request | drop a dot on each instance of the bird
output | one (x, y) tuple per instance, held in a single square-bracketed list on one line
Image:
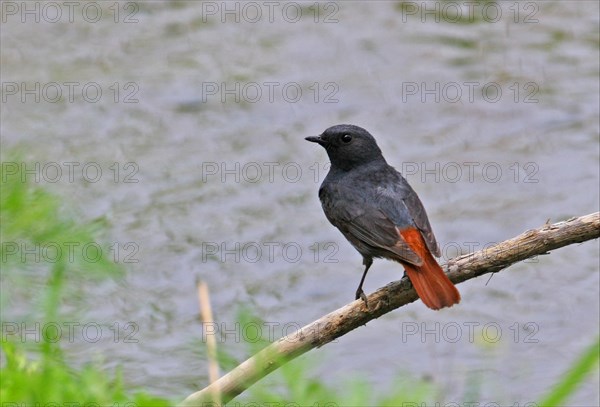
[(380, 214)]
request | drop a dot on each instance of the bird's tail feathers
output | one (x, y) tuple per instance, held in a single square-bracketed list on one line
[(431, 283)]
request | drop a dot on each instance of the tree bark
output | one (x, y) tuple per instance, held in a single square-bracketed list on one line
[(394, 295)]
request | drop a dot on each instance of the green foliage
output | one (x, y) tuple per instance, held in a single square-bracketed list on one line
[(32, 217), (583, 367), (295, 383), (51, 380)]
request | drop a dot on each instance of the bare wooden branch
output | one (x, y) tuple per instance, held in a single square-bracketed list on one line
[(211, 342), (396, 294)]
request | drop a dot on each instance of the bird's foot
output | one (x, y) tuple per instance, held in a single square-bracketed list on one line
[(361, 294)]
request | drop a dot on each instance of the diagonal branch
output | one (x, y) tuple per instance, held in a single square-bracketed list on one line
[(396, 294)]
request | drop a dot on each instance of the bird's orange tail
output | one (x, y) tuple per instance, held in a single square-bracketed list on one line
[(431, 283)]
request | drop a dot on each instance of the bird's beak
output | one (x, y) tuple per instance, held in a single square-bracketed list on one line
[(316, 139)]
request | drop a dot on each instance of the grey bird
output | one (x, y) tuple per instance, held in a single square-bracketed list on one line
[(380, 214)]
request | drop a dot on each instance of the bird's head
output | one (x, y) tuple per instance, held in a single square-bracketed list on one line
[(348, 146)]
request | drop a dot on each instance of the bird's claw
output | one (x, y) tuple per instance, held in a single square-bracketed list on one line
[(361, 294)]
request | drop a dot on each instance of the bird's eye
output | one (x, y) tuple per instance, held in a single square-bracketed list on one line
[(346, 138)]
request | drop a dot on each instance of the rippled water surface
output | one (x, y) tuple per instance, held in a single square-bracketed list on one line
[(492, 118)]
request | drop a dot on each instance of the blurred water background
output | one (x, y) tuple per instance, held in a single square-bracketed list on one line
[(492, 115)]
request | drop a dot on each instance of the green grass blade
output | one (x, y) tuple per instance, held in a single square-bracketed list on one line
[(582, 368)]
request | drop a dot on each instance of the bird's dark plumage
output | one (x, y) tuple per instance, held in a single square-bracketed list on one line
[(373, 205)]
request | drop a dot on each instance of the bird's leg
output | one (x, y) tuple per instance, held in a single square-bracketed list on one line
[(367, 261)]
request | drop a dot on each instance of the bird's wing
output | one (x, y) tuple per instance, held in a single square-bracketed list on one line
[(402, 205), (376, 229), (361, 221)]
